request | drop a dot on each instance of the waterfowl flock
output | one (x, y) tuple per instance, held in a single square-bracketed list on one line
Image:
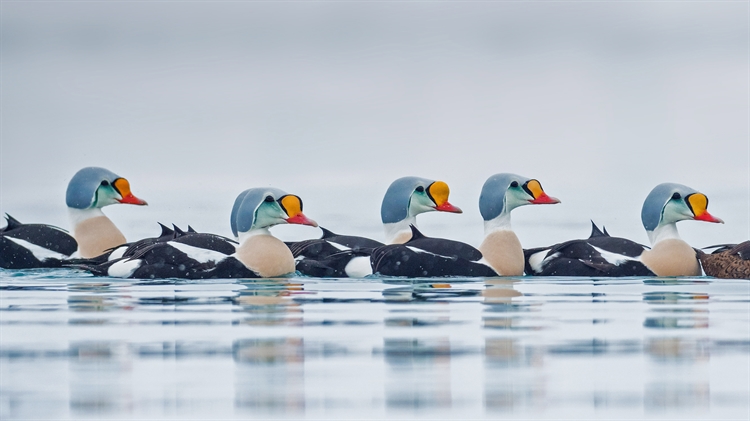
[(97, 245)]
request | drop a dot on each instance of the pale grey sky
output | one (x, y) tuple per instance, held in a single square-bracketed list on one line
[(194, 102)]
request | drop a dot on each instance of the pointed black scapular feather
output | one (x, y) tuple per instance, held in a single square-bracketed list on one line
[(596, 232)]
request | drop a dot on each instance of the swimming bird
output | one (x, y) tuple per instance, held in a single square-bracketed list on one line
[(731, 261), (201, 256), (603, 255), (38, 245), (335, 255), (500, 254)]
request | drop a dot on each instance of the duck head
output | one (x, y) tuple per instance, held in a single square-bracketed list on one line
[(669, 203), (504, 192), (410, 196), (262, 208), (94, 188), (407, 197)]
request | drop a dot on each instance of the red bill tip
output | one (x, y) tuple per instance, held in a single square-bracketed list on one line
[(301, 219)]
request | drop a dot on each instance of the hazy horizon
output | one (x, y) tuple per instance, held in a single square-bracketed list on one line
[(195, 102)]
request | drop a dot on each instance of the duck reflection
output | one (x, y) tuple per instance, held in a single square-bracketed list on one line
[(689, 315), (668, 396), (268, 302), (671, 297), (96, 297), (270, 374), (100, 375), (512, 375), (498, 295), (419, 373), (678, 349)]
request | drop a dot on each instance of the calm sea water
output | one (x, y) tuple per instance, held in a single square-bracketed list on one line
[(74, 346)]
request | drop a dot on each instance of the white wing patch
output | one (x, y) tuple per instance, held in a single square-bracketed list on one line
[(358, 267), (416, 250), (199, 254), (39, 252), (124, 268), (339, 246), (614, 258), (538, 260), (117, 253)]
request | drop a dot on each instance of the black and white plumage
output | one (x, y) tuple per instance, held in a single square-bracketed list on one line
[(193, 255), (331, 255), (335, 255), (25, 246), (598, 255), (189, 255), (500, 253), (423, 256), (603, 255)]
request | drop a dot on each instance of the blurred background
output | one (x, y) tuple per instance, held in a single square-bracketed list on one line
[(194, 102)]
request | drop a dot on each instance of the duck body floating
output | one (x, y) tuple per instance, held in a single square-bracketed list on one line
[(335, 255), (729, 261), (24, 246), (602, 255), (202, 256), (500, 254), (599, 255)]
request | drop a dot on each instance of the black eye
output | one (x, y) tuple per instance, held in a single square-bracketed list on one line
[(514, 184), (420, 189), (269, 199), (676, 196), (105, 183)]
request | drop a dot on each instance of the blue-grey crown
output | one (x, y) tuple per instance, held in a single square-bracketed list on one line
[(492, 199), (82, 187), (395, 205), (243, 212), (657, 199)]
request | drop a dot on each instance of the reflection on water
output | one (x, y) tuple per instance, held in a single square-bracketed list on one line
[(73, 347)]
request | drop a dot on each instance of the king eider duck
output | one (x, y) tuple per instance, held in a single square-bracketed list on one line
[(335, 255), (200, 256), (24, 246), (729, 261), (500, 254), (603, 255)]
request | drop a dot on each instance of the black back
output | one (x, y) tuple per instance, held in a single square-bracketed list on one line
[(580, 258), (428, 257), (321, 248), (15, 256)]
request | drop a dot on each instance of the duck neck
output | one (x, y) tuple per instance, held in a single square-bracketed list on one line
[(399, 232), (94, 232), (499, 223), (663, 232), (244, 236)]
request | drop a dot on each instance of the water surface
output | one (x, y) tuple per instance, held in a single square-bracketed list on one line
[(74, 346)]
